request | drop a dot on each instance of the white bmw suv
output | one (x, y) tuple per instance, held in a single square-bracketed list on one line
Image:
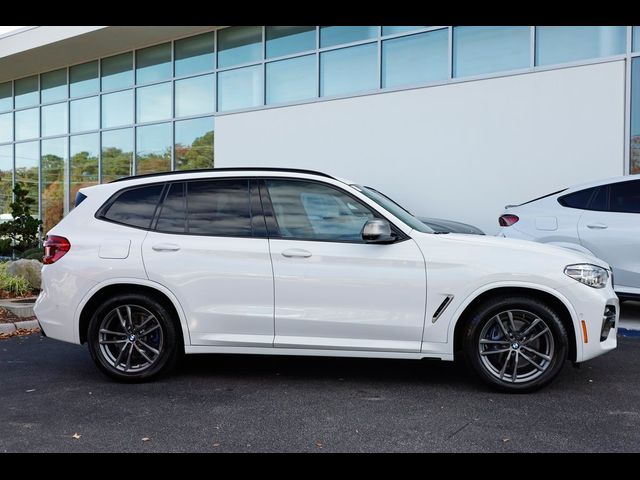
[(295, 262)]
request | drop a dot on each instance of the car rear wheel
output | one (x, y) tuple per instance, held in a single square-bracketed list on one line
[(516, 344), (132, 338)]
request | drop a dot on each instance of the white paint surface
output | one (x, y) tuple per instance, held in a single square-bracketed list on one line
[(459, 151)]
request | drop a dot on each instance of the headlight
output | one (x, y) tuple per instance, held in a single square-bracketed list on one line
[(590, 275)]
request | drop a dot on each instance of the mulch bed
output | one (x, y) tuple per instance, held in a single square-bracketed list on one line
[(19, 332)]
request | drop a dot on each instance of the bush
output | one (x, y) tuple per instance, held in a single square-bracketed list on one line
[(33, 253), (5, 247), (17, 286), (24, 230)]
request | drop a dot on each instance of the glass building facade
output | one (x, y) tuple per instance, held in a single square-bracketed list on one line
[(154, 109)]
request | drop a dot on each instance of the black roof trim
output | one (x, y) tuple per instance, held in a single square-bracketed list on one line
[(229, 169)]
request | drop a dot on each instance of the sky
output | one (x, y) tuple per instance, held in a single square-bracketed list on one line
[(7, 29)]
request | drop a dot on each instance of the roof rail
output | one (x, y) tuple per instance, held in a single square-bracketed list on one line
[(227, 169)]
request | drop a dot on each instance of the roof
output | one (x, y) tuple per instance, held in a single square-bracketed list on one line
[(228, 169)]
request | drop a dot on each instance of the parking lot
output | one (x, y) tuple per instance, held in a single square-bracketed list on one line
[(53, 399)]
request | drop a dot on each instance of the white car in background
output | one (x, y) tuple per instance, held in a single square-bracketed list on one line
[(600, 218)]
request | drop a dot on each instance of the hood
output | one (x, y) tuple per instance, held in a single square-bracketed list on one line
[(440, 225)]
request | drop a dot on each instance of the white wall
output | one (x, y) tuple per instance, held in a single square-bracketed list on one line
[(459, 151)]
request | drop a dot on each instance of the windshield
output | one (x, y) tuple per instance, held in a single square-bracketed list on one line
[(393, 207)]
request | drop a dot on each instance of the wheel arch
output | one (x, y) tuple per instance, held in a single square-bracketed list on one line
[(128, 285), (557, 301)]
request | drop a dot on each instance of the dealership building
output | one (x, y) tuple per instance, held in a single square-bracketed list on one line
[(451, 121)]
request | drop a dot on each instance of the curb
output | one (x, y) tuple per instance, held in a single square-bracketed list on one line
[(12, 327)]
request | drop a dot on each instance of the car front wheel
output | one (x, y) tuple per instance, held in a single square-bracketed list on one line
[(516, 344)]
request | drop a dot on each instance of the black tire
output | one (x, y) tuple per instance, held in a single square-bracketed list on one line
[(169, 349), (524, 311)]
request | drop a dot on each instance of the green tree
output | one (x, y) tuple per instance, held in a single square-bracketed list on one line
[(197, 155), (23, 230)]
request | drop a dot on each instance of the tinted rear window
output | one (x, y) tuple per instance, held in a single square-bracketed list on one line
[(219, 207), (172, 218), (135, 207), (578, 199), (625, 197)]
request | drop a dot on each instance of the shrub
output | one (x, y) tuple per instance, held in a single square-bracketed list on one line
[(33, 253), (5, 247), (18, 286), (23, 229)]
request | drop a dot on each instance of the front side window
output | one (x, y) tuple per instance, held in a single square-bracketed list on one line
[(134, 207), (625, 197), (312, 211)]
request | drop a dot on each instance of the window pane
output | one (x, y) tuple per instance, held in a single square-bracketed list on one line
[(54, 119), (135, 206), (394, 30), (238, 45), (625, 197), (6, 127), (6, 180), (219, 207), (27, 162), (117, 71), (84, 114), (6, 97), (291, 80), (572, 43), (153, 144), (340, 34), (194, 144), (415, 59), (195, 95), (579, 199), (194, 54), (84, 162), (27, 124), (83, 79), (635, 116), (241, 88), (153, 102), (311, 211), (54, 159), (26, 91), (349, 70), (173, 215), (117, 109), (53, 85), (636, 39), (153, 63), (479, 50), (599, 200), (117, 154), (288, 40)]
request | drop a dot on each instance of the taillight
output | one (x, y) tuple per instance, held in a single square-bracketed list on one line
[(508, 220), (54, 249)]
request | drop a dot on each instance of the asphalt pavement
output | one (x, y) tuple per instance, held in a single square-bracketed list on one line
[(53, 399)]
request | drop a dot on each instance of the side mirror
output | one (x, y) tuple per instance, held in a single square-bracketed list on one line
[(377, 231)]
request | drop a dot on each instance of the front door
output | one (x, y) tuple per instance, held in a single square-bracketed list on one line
[(333, 290)]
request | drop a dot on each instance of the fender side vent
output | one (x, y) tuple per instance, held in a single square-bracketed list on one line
[(445, 303)]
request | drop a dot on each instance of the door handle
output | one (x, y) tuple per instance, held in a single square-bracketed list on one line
[(166, 247), (596, 226), (296, 252)]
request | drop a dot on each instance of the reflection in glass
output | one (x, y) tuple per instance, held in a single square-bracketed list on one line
[(194, 54), (84, 163), (240, 88), (26, 93), (291, 80), (84, 114), (415, 59), (153, 63), (54, 119), (83, 79), (341, 34), (153, 102), (117, 154), (117, 109), (349, 70), (6, 97), (289, 40), (54, 159), (395, 30), (482, 49), (153, 148), (53, 85), (636, 39), (572, 43), (117, 71), (195, 95), (219, 207), (237, 45), (635, 116), (194, 144), (6, 127), (27, 162), (6, 178), (173, 215), (27, 124)]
